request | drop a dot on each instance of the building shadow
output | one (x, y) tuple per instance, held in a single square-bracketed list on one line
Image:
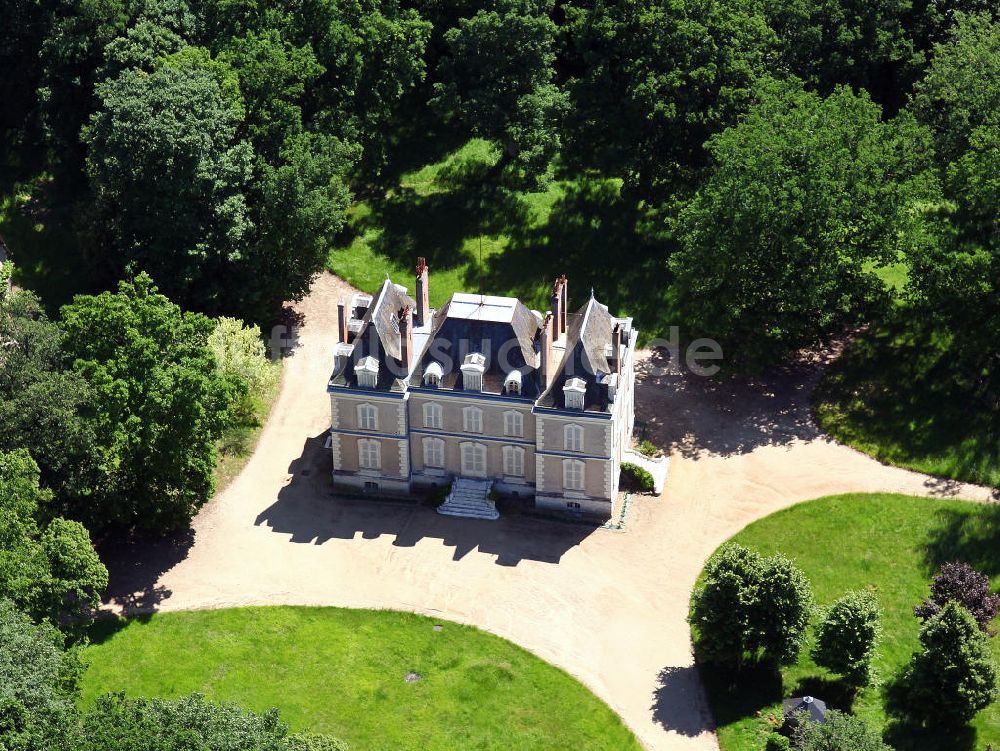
[(310, 512), (695, 415), (135, 564)]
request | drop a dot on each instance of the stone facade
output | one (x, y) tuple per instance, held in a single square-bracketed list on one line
[(540, 406)]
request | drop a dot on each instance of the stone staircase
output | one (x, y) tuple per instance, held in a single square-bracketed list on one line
[(469, 498)]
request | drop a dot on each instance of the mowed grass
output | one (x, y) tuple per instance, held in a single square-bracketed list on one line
[(893, 544), (895, 394), (454, 212), (342, 672), (477, 232)]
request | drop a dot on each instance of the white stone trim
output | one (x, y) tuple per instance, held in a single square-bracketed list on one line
[(335, 450), (404, 459)]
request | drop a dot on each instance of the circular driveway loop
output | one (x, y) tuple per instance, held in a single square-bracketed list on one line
[(607, 606)]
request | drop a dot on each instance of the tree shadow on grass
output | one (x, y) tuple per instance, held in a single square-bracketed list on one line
[(596, 238), (968, 535), (468, 201), (836, 693), (735, 696), (106, 626), (897, 389), (907, 729)]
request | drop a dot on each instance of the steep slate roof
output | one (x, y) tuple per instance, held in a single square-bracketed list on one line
[(588, 337), (501, 328), (379, 337)]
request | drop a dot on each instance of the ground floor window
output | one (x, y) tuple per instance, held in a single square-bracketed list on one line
[(433, 452), (473, 459), (573, 505), (513, 461), (573, 474), (369, 454), (371, 487)]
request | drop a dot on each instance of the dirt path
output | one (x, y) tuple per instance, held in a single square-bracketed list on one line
[(609, 607)]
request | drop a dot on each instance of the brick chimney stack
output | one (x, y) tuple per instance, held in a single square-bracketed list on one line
[(563, 303), (422, 314), (406, 338), (545, 364), (342, 320), (556, 305)]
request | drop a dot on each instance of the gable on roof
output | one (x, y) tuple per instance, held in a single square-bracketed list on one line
[(378, 338), (588, 346)]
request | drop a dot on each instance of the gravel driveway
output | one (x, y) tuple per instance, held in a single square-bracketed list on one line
[(607, 606)]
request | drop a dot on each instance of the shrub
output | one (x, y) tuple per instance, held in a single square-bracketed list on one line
[(241, 357), (647, 447), (840, 732), (959, 582), (751, 607), (314, 742), (635, 477), (438, 495), (954, 676), (777, 742), (846, 638), (190, 722)]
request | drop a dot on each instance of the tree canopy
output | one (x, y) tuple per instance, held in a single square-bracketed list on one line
[(49, 569), (805, 195), (158, 403)]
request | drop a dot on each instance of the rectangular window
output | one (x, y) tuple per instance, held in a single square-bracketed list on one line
[(473, 419), (474, 459), (573, 474), (513, 424), (432, 416), (513, 461), (369, 454), (433, 452), (573, 437), (367, 417)]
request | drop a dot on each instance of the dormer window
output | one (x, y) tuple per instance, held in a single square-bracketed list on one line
[(573, 393), (512, 383), (433, 375), (472, 372), (367, 372)]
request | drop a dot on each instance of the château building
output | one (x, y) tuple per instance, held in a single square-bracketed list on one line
[(483, 395)]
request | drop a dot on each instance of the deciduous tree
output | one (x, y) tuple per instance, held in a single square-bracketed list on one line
[(847, 636), (158, 401), (805, 197), (959, 582), (751, 607)]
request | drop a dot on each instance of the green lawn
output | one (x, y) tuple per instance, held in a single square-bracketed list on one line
[(894, 394), (892, 543), (477, 232), (342, 672)]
